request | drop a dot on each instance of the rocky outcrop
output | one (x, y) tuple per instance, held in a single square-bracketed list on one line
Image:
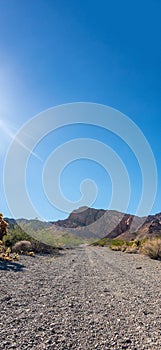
[(84, 216), (151, 227)]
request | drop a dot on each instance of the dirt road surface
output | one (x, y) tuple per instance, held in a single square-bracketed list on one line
[(87, 298)]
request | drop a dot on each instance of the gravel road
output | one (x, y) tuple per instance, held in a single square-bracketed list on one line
[(86, 298)]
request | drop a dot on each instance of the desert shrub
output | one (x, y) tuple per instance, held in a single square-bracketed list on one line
[(29, 248), (137, 242), (133, 249), (42, 248), (5, 253), (116, 248), (101, 242), (116, 244), (22, 247), (125, 246), (16, 238), (15, 235), (152, 248)]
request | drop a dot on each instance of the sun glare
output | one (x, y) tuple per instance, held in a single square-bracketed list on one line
[(8, 133), (6, 130)]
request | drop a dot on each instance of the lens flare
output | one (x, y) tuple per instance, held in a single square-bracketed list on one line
[(12, 135)]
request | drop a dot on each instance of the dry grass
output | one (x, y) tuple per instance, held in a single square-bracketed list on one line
[(132, 249), (152, 248)]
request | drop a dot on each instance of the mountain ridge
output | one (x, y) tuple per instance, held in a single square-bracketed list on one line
[(94, 223)]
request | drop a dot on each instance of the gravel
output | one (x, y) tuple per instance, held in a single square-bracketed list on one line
[(85, 298)]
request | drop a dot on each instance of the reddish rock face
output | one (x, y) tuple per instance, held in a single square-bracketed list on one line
[(81, 217), (123, 226)]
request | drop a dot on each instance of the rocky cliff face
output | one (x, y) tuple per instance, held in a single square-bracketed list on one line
[(112, 224), (124, 228), (151, 227)]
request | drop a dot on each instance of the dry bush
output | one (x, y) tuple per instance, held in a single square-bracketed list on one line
[(131, 249), (152, 248), (29, 248), (116, 248), (42, 248), (22, 247)]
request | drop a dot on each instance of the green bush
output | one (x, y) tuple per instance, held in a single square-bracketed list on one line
[(15, 234), (101, 243)]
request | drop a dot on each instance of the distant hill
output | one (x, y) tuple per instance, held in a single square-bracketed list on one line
[(89, 223)]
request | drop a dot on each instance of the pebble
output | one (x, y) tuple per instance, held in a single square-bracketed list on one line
[(88, 298)]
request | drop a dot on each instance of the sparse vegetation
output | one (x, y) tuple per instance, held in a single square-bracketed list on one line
[(101, 243), (22, 247), (14, 235), (152, 248), (114, 244), (19, 241), (117, 244)]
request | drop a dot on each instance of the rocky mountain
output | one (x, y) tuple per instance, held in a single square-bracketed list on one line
[(81, 217), (151, 227), (112, 224), (87, 223)]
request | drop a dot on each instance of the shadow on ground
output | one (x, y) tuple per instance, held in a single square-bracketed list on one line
[(11, 266)]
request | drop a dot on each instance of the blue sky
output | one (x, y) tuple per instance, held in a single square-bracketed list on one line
[(57, 52)]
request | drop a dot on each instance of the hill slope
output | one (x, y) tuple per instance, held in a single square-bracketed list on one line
[(89, 223)]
